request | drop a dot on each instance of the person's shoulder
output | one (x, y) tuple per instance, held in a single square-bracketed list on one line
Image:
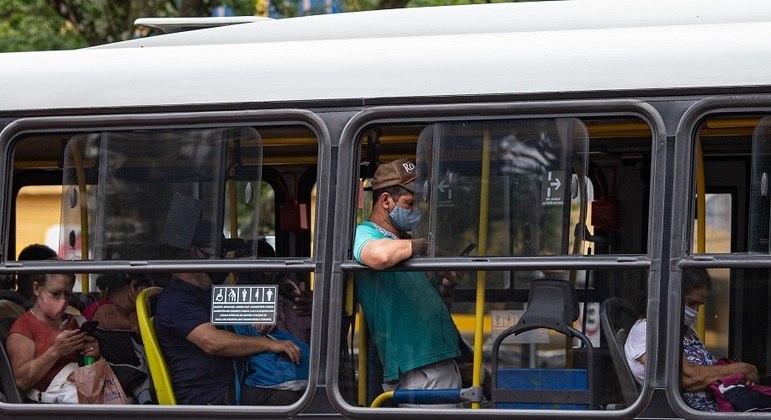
[(180, 293), (368, 229), (23, 324), (639, 328), (366, 225), (175, 287), (92, 308)]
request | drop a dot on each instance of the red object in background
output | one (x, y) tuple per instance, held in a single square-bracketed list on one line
[(294, 216), (606, 214)]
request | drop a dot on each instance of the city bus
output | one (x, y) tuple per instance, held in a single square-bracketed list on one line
[(609, 146)]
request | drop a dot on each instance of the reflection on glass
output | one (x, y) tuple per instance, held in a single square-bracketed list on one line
[(126, 181), (505, 185)]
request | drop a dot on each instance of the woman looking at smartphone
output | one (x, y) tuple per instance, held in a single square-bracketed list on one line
[(44, 344)]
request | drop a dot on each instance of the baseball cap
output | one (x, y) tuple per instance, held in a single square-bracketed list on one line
[(398, 172)]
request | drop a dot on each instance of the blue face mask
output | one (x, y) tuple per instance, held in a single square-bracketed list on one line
[(405, 219)]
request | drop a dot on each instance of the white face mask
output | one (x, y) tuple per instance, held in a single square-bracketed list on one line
[(689, 316)]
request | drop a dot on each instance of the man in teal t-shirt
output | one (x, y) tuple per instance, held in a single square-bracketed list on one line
[(413, 332)]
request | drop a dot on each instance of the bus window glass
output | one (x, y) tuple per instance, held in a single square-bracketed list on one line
[(730, 170), (244, 219), (714, 316), (730, 212), (760, 206), (738, 331), (37, 216), (539, 359), (717, 230), (546, 187), (729, 324), (268, 213), (514, 178), (124, 192)]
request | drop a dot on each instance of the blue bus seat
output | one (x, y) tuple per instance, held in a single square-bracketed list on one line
[(552, 304)]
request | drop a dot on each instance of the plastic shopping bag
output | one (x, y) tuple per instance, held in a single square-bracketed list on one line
[(97, 384)]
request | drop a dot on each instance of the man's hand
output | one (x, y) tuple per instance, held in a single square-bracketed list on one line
[(419, 246), (286, 346), (450, 279)]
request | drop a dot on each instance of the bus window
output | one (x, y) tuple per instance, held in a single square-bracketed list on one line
[(540, 353), (126, 191), (714, 318), (37, 216), (760, 209), (240, 221), (514, 177), (730, 211), (715, 314), (717, 228), (547, 189), (125, 196)]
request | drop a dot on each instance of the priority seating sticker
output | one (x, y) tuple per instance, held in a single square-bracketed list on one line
[(244, 304)]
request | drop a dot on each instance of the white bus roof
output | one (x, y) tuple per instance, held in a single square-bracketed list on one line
[(472, 19), (516, 48)]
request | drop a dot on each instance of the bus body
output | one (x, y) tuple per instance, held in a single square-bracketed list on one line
[(609, 144)]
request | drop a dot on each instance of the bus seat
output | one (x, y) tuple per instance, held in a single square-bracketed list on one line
[(616, 319), (7, 383), (552, 304), (159, 372), (10, 309)]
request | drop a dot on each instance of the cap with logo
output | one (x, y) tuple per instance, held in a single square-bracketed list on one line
[(398, 172)]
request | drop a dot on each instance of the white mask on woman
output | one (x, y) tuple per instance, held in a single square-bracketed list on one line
[(689, 316)]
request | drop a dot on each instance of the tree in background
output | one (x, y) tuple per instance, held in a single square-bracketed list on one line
[(27, 25), (105, 21)]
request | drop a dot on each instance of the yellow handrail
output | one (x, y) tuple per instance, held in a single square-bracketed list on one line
[(159, 372), (382, 398), (479, 312)]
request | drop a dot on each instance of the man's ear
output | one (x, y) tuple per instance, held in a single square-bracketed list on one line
[(384, 197)]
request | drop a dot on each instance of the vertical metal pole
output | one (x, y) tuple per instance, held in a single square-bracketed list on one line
[(484, 195)]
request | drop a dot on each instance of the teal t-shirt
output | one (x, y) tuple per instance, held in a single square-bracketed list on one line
[(405, 314)]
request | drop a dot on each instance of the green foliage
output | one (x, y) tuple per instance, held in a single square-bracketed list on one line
[(27, 25), (424, 3)]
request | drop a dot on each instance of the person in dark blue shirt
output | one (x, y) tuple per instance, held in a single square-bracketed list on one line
[(199, 355)]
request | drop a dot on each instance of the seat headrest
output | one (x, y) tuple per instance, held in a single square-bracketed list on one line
[(552, 304)]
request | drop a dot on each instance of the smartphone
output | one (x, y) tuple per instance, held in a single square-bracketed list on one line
[(470, 247), (88, 327)]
